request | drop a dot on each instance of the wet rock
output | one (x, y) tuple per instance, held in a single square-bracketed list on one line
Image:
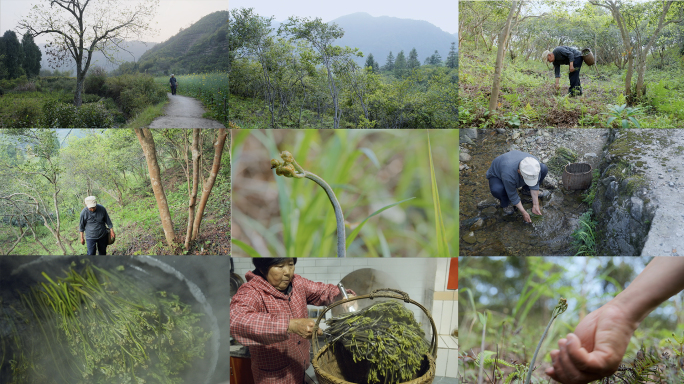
[(464, 157), (510, 218), (489, 202), (479, 223), (637, 208), (501, 130), (671, 184), (590, 155), (481, 238), (612, 190), (540, 140), (606, 182), (549, 182), (489, 211), (515, 134), (465, 140), (461, 166), (470, 238), (468, 132), (468, 222)]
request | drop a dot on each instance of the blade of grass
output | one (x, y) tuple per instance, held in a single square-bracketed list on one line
[(245, 247), (442, 245), (356, 230)]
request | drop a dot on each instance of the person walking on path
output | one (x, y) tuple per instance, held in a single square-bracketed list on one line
[(567, 56), (174, 84), (93, 225), (511, 171), (600, 340)]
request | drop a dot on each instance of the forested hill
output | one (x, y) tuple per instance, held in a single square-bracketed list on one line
[(202, 47), (380, 35)]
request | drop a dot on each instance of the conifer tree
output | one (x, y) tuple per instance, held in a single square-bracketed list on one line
[(389, 63), (400, 64), (370, 62), (451, 57), (14, 54), (32, 56), (413, 59)]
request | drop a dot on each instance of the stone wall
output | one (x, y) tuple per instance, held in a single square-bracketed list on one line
[(623, 206)]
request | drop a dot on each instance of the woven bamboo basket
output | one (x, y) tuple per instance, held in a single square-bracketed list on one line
[(577, 176), (337, 367), (588, 57)]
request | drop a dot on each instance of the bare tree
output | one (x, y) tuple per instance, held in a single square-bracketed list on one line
[(503, 37), (80, 28), (195, 183), (219, 143), (147, 143)]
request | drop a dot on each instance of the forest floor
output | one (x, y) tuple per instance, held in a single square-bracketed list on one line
[(528, 98), (184, 112)]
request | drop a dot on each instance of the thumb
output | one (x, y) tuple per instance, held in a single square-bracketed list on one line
[(583, 360)]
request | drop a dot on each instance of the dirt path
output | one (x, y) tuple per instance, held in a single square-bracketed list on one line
[(184, 112)]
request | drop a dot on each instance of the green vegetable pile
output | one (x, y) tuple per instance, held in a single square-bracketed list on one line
[(387, 336), (99, 327)]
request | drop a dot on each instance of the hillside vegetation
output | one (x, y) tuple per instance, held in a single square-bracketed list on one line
[(637, 81), (202, 47)]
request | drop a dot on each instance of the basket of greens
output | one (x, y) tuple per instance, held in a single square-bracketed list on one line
[(382, 343)]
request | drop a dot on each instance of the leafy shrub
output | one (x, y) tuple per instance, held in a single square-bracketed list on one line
[(24, 113), (29, 86), (95, 81), (133, 93), (66, 115)]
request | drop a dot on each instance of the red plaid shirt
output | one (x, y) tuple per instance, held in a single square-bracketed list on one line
[(259, 317)]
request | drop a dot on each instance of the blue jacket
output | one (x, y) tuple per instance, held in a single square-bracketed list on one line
[(505, 168)]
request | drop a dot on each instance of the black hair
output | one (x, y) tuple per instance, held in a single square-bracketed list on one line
[(263, 264)]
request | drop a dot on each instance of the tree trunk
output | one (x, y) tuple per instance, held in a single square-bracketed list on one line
[(209, 184), (78, 96), (147, 143), (195, 183), (503, 36)]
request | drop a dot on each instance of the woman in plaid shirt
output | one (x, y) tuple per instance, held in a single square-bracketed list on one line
[(268, 314)]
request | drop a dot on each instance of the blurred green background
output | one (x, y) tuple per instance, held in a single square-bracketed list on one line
[(367, 169)]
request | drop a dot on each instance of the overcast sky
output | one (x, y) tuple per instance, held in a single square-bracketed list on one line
[(442, 13), (171, 15)]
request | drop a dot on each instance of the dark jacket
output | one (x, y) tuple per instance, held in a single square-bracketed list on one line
[(173, 81), (564, 56), (505, 168), (93, 223)]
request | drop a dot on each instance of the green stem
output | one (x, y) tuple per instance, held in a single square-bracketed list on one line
[(289, 167), (560, 308)]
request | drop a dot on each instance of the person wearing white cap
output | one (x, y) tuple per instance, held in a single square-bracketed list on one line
[(93, 225), (511, 171)]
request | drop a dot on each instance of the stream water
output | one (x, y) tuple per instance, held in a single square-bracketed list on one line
[(485, 231)]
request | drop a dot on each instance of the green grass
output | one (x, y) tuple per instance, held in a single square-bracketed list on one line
[(145, 118), (368, 170), (528, 100)]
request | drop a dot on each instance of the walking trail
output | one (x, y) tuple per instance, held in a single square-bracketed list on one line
[(184, 112)]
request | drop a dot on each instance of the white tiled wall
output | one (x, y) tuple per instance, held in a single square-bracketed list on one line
[(410, 274)]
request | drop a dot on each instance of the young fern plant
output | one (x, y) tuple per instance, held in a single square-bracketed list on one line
[(287, 166), (561, 307)]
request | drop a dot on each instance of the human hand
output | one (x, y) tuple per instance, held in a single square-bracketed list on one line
[(536, 210), (595, 349), (82, 241), (302, 327), (526, 217)]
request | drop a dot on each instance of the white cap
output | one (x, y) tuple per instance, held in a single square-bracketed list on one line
[(529, 169), (90, 201)]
